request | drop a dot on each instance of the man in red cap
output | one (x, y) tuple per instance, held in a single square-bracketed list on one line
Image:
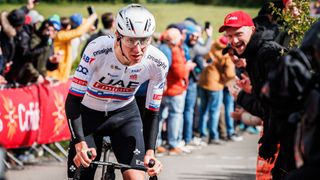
[(261, 52), (240, 24)]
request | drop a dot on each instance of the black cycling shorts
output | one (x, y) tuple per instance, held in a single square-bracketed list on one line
[(124, 126)]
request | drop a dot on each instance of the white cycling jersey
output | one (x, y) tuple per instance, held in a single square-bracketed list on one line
[(107, 85)]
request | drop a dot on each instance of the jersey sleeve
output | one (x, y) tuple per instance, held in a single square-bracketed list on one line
[(156, 85), (84, 71)]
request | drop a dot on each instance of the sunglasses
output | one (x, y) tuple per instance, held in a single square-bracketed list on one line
[(131, 42)]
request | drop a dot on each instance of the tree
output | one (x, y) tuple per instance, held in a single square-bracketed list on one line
[(295, 24)]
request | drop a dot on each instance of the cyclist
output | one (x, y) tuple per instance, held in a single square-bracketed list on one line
[(101, 97)]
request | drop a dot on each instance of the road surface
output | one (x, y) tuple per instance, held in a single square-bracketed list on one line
[(234, 160)]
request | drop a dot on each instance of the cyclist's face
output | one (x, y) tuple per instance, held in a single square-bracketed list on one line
[(134, 48)]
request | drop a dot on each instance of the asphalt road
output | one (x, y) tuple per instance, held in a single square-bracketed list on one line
[(234, 160)]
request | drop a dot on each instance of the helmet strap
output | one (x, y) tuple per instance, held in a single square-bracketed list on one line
[(119, 39)]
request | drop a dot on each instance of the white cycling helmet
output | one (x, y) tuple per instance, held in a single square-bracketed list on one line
[(135, 21)]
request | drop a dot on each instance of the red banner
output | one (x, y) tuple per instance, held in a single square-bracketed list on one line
[(19, 116), (33, 114), (53, 124)]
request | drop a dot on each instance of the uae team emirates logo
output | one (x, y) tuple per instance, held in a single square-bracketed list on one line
[(10, 116), (59, 114)]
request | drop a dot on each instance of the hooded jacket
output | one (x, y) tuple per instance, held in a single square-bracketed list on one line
[(215, 76), (62, 43)]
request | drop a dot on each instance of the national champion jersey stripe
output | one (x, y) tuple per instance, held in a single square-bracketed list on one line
[(75, 92), (100, 94)]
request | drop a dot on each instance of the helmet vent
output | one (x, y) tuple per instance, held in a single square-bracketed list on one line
[(120, 13), (136, 6), (120, 26), (131, 25), (145, 27)]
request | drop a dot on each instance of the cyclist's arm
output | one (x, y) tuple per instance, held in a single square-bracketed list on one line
[(77, 90), (74, 119), (150, 128), (151, 123), (153, 101)]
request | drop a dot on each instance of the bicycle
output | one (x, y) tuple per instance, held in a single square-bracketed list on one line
[(108, 167)]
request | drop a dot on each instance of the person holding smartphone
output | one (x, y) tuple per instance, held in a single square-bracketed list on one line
[(62, 43)]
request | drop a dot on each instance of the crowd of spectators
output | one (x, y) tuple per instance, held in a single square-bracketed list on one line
[(258, 78), (38, 50)]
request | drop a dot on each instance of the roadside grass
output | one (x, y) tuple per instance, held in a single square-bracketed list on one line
[(164, 13)]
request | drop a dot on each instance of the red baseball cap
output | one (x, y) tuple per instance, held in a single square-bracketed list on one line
[(236, 19)]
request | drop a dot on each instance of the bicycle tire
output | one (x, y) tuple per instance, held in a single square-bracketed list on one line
[(109, 176)]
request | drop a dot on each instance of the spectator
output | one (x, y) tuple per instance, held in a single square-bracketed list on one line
[(7, 44), (62, 43), (212, 81), (260, 53), (267, 20), (75, 21), (46, 58), (293, 92), (21, 48), (108, 23), (246, 118), (303, 94), (177, 82), (194, 52), (316, 8), (36, 19), (283, 37)]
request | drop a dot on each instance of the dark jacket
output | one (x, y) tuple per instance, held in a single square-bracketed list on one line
[(262, 23), (20, 57), (7, 43), (42, 51), (261, 53)]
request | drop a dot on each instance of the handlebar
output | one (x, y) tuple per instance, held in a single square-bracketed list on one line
[(150, 165), (115, 166)]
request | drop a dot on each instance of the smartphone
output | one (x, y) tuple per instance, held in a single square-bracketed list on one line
[(91, 11), (206, 25)]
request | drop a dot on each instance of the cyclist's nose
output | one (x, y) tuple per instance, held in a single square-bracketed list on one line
[(137, 47)]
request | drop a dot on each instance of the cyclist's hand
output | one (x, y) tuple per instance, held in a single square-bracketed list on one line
[(156, 169), (81, 157)]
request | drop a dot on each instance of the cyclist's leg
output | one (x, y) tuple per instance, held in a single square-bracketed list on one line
[(127, 141), (91, 120)]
